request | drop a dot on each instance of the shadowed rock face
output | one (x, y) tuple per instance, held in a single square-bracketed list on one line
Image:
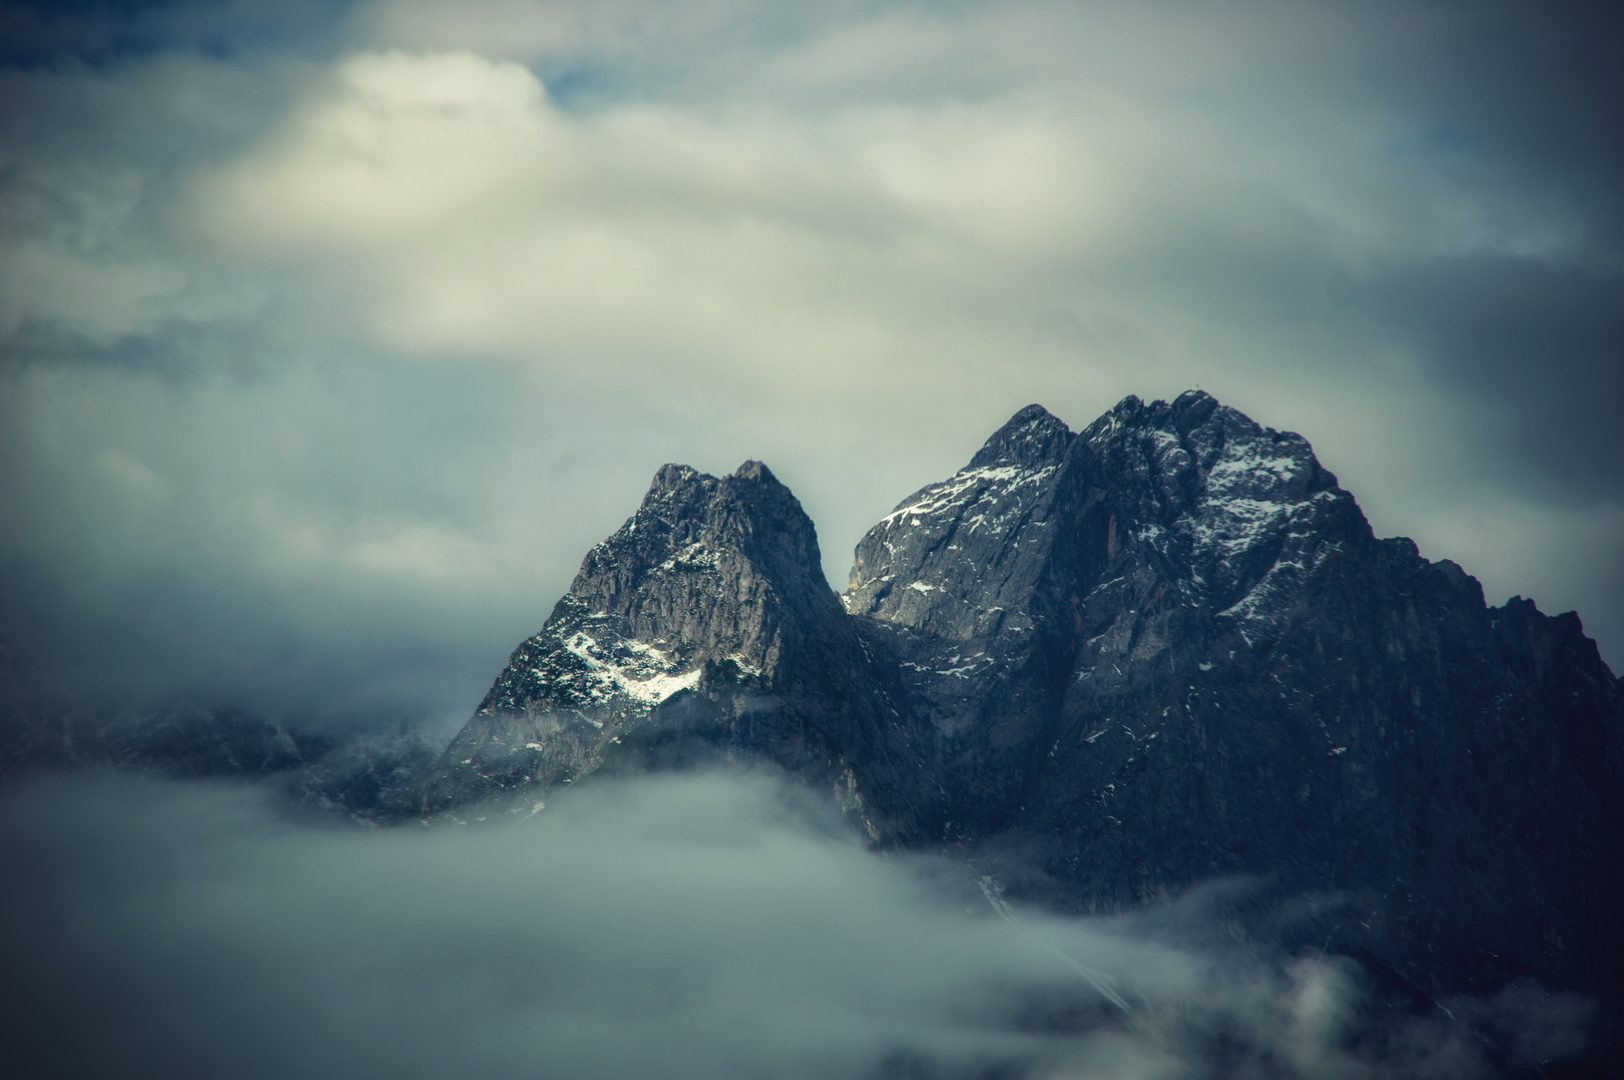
[(1113, 664)]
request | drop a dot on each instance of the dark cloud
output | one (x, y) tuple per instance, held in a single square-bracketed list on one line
[(140, 569), (1535, 90), (102, 32), (707, 926), (1540, 346), (1524, 100)]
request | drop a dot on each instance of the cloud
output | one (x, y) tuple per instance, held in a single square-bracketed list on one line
[(473, 219), (1541, 346), (42, 33), (325, 354), (700, 926), (332, 336)]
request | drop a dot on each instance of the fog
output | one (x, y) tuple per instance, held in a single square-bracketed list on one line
[(705, 925)]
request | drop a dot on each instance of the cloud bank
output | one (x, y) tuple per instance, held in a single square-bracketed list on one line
[(329, 341), (702, 926)]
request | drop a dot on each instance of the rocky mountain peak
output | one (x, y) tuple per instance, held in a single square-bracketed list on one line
[(1032, 437), (671, 476), (1164, 649), (1234, 513), (946, 558), (746, 527), (1192, 408), (755, 470), (714, 587)]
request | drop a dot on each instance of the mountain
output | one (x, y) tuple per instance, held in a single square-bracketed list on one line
[(364, 773), (1110, 665), (703, 629)]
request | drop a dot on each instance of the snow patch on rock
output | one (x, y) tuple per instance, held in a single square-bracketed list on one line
[(631, 668)]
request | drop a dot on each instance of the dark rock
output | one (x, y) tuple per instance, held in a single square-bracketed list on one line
[(1112, 665), (702, 630), (1222, 671)]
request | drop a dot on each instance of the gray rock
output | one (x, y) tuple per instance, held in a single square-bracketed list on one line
[(1206, 664), (1111, 665), (702, 630)]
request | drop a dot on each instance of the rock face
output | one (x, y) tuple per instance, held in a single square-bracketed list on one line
[(703, 629), (1113, 664)]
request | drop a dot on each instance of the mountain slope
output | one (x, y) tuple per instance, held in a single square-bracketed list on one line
[(703, 628), (1211, 666), (1113, 664)]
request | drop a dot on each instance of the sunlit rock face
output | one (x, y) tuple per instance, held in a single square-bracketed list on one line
[(704, 629), (1109, 665)]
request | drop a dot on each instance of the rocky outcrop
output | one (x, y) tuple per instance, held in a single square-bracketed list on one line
[(1110, 665), (1188, 657), (703, 629)]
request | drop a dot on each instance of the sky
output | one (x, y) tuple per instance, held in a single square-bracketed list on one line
[(333, 334)]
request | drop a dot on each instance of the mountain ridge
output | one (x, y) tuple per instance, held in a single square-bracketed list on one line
[(1109, 664)]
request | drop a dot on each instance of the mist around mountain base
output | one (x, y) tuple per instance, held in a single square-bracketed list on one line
[(713, 924), (693, 829)]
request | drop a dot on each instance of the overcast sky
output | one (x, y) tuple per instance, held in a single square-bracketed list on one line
[(331, 335)]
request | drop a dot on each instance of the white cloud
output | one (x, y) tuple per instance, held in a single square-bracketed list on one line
[(467, 216), (394, 148)]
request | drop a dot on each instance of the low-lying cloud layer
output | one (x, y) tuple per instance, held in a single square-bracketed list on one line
[(331, 336), (708, 926)]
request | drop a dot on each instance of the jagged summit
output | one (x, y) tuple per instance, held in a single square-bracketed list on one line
[(1237, 513), (755, 470), (1033, 435), (708, 602), (1164, 648)]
